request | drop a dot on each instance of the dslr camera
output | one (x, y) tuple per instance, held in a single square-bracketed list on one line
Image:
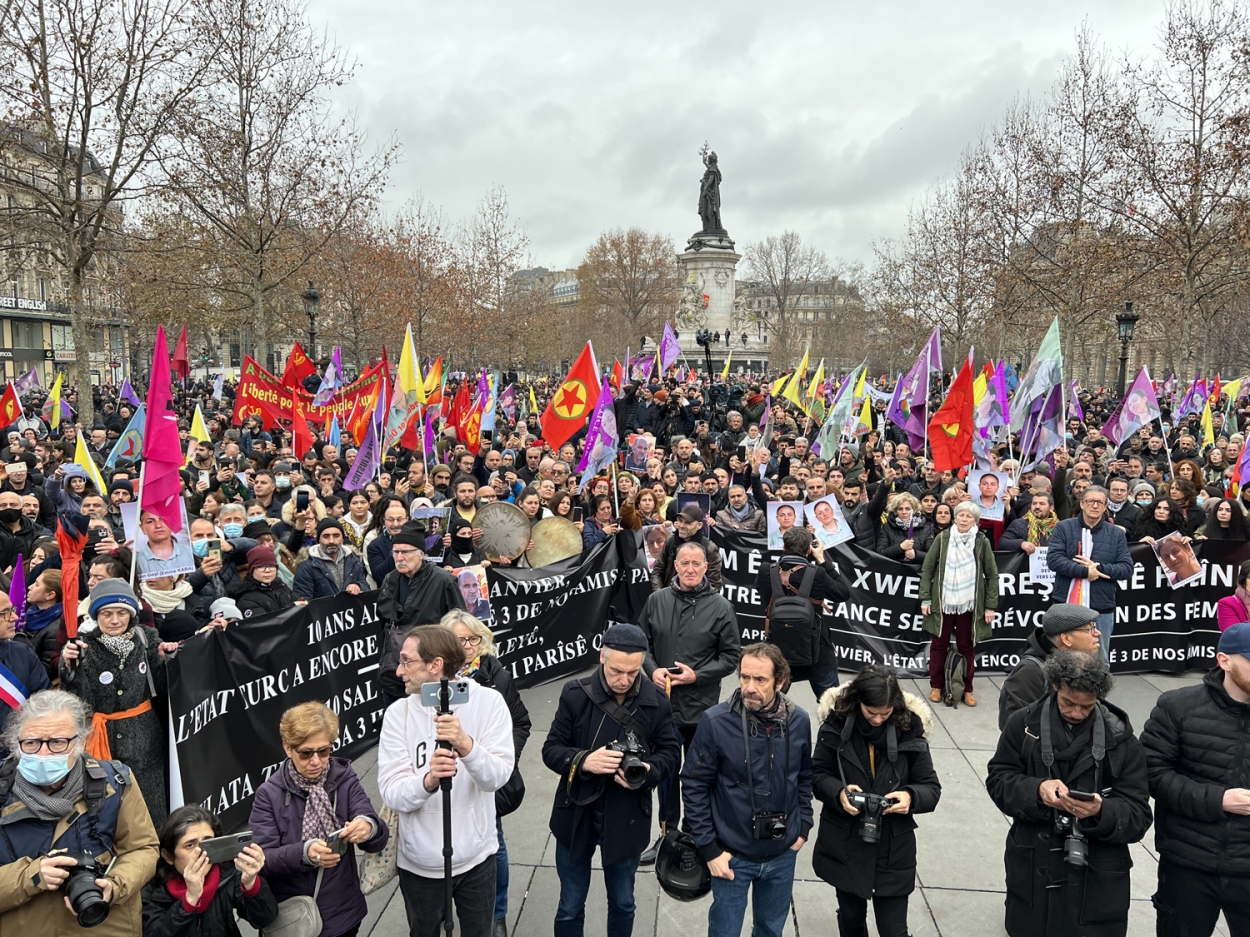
[(768, 825), (1075, 845), (870, 807), (632, 766), (85, 896)]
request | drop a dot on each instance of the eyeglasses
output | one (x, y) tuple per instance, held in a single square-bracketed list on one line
[(472, 640), (306, 754), (406, 662), (404, 554), (57, 746), (8, 613)]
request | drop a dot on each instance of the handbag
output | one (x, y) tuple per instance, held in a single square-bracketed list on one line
[(378, 869), (298, 916)]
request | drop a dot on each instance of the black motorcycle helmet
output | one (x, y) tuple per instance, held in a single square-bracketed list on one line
[(682, 874)]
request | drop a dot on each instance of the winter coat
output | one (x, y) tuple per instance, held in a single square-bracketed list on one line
[(46, 645), (716, 783), (842, 858), (14, 542), (1110, 553), (167, 916), (181, 623), (212, 588), (627, 407), (1195, 741), (754, 521), (592, 533), (933, 576), (615, 817), (256, 598), (495, 675), (1046, 897), (313, 579), (829, 589), (665, 568), (1230, 611), (698, 628), (378, 553), (1016, 533), (890, 537), (23, 663), (432, 593), (277, 820), (108, 686), (1126, 518), (1026, 683), (865, 517)]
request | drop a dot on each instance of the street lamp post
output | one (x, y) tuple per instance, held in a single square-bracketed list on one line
[(312, 301), (1125, 321)]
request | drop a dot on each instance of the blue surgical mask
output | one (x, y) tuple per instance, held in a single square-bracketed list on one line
[(44, 770), (232, 530), (1202, 499), (200, 548), (282, 481)]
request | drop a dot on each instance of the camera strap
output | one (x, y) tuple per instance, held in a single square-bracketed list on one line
[(746, 751), (614, 710), (1098, 742)]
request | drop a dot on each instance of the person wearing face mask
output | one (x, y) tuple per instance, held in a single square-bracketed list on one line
[(117, 670), (863, 727), (55, 784), (215, 575), (17, 532)]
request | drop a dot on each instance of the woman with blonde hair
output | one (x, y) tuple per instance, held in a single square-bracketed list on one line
[(311, 797), (484, 668), (905, 536)]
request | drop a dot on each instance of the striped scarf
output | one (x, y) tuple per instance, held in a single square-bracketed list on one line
[(959, 582), (1040, 527)]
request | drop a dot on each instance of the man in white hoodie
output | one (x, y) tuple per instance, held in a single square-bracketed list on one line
[(410, 766)]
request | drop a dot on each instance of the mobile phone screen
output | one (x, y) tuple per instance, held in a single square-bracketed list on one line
[(577, 514)]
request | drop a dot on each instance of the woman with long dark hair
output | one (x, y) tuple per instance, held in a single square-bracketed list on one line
[(873, 739), (1225, 521), (192, 895), (1160, 519), (1185, 493)]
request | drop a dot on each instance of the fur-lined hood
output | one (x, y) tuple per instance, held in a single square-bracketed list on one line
[(918, 707), (288, 509)]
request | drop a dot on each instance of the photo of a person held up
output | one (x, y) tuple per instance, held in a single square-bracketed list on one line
[(1175, 553)]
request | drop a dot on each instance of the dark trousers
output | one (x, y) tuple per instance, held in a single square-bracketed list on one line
[(673, 813), (961, 627), (618, 878), (472, 891), (891, 915), (1189, 902)]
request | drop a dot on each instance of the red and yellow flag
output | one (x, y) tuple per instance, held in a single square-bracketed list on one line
[(573, 400), (10, 406), (950, 430)]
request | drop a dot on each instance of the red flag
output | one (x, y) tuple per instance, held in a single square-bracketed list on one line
[(1215, 392), (573, 401), (950, 430), (303, 433), (10, 406), (470, 431), (461, 404), (161, 488), (71, 540), (297, 368), (182, 364), (615, 380)]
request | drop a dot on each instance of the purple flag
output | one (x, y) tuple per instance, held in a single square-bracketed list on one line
[(915, 391), (601, 437), (365, 468), (507, 401), (17, 592), (670, 351), (428, 437), (332, 382), (1139, 408), (1074, 402), (30, 380), (640, 367)]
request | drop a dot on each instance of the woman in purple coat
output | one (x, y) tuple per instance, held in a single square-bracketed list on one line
[(308, 798)]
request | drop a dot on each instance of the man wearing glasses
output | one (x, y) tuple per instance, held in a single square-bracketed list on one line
[(1088, 554), (1064, 627), (53, 786), (21, 672), (413, 593)]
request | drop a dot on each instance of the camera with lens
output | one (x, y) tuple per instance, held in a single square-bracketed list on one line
[(86, 898), (632, 767), (870, 807), (1075, 845), (768, 825)]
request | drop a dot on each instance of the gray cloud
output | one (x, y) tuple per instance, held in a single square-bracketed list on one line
[(828, 119)]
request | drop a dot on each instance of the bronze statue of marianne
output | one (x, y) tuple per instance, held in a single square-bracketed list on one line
[(709, 195)]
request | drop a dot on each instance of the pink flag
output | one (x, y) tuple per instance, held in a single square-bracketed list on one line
[(162, 453)]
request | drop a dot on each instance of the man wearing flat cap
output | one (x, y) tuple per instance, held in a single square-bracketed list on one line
[(1198, 763), (1064, 627), (413, 593), (596, 805)]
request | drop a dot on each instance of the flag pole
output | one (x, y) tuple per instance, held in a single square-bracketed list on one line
[(134, 554)]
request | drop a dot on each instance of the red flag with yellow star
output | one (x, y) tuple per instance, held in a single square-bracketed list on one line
[(950, 430), (573, 400), (10, 406)]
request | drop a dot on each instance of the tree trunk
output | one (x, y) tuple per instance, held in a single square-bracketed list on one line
[(80, 371)]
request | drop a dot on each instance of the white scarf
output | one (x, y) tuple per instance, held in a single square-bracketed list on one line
[(165, 602), (959, 583)]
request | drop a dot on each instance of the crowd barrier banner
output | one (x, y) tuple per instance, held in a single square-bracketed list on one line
[(228, 689)]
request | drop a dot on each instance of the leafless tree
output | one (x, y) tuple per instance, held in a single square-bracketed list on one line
[(789, 270), (627, 285)]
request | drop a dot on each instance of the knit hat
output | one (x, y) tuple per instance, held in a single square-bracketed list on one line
[(256, 529), (328, 523), (625, 637), (122, 484), (411, 535), (661, 396), (1065, 617), (261, 556), (226, 607), (435, 469), (112, 593)]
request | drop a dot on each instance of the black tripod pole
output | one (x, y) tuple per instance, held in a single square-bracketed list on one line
[(444, 707)]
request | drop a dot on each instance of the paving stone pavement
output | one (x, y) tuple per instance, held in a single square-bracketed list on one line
[(959, 875)]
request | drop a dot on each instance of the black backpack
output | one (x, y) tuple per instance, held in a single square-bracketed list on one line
[(793, 622), (954, 678)]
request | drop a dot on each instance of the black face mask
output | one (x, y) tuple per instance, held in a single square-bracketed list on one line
[(10, 515)]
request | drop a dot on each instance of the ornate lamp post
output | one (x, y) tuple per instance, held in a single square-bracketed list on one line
[(312, 302), (1125, 321)]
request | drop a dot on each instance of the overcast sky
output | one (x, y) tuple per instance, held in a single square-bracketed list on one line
[(829, 118)]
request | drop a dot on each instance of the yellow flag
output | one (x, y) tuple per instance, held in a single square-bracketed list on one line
[(199, 433), (93, 472), (792, 391), (979, 385), (1208, 428), (55, 397), (408, 378), (778, 385), (724, 375), (817, 380), (533, 402), (864, 424)]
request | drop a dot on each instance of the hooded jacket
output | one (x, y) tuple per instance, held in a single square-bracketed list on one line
[(841, 857), (1026, 683), (698, 628), (314, 581)]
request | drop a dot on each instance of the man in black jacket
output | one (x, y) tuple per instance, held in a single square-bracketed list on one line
[(1072, 776), (1064, 627), (413, 593), (596, 805), (1199, 764)]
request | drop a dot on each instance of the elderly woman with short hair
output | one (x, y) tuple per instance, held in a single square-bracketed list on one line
[(484, 667), (958, 595), (309, 797)]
